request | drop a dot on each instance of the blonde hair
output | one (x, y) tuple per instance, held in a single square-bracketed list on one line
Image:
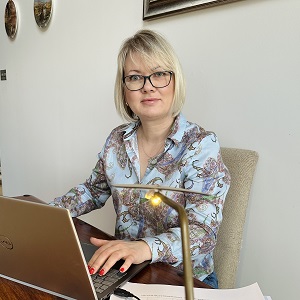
[(151, 46)]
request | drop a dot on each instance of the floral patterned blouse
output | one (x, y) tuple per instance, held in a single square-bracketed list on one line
[(191, 159)]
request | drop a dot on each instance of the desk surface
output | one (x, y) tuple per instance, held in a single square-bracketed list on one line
[(158, 273)]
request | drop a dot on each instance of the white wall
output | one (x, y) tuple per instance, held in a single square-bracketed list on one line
[(242, 65)]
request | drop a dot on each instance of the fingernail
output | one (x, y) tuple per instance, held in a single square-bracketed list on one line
[(92, 271), (89, 267), (122, 270), (101, 273)]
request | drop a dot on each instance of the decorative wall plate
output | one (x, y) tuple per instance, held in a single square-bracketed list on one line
[(42, 12), (11, 20)]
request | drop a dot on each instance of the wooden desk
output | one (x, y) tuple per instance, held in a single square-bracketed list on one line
[(159, 273)]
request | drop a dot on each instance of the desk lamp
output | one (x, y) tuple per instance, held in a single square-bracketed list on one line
[(155, 197)]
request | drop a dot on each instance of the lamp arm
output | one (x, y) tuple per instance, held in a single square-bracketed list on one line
[(160, 188), (185, 239)]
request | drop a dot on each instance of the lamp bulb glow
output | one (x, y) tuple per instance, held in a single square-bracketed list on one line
[(154, 199)]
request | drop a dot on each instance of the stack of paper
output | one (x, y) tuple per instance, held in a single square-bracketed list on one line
[(170, 292)]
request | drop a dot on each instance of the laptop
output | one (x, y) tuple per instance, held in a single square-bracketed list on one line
[(39, 247)]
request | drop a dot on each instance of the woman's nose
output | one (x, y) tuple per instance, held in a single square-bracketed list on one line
[(148, 85)]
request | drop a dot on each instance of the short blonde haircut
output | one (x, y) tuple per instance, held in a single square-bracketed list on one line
[(151, 46)]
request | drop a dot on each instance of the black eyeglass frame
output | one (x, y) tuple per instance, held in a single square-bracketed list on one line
[(148, 77)]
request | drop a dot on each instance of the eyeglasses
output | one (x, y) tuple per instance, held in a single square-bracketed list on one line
[(159, 79)]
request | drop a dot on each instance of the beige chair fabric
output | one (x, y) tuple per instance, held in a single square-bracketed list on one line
[(241, 164)]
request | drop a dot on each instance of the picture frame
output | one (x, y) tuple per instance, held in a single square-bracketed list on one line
[(11, 19), (153, 9), (42, 10)]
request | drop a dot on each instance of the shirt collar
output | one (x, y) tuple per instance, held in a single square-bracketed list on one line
[(178, 129), (176, 133)]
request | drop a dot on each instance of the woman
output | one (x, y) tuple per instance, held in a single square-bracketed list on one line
[(157, 146)]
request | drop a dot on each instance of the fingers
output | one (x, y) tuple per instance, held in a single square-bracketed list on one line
[(97, 242), (108, 254), (99, 258), (132, 252), (116, 256), (126, 265)]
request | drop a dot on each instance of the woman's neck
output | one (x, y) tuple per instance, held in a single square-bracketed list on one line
[(155, 131)]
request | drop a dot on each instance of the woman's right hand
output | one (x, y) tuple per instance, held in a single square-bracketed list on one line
[(111, 251)]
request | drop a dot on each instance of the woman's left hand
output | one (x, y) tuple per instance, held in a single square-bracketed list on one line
[(109, 252)]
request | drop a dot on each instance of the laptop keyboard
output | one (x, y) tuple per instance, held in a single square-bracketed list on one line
[(101, 283)]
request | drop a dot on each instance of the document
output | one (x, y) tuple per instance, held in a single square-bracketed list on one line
[(172, 292)]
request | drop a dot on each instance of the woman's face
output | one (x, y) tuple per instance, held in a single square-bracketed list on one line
[(148, 103)]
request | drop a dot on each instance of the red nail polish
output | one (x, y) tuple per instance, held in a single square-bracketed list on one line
[(101, 273), (92, 271), (89, 267), (122, 270)]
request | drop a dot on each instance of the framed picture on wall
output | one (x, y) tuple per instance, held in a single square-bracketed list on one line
[(11, 19), (154, 9), (42, 12)]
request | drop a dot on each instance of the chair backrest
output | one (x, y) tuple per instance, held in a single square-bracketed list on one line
[(241, 164)]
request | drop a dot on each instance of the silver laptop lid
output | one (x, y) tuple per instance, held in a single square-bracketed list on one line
[(39, 247)]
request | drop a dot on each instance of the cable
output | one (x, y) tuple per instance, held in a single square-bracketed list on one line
[(125, 294)]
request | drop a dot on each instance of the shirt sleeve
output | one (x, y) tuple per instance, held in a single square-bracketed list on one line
[(204, 171), (90, 195)]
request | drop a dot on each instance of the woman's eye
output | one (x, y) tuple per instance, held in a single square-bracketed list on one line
[(135, 77), (160, 74)]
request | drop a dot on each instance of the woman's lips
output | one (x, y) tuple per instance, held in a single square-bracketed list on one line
[(150, 100)]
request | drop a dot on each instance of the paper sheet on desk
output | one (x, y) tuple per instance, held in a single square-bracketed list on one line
[(170, 292)]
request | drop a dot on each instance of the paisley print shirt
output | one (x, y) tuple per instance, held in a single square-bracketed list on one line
[(191, 159)]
